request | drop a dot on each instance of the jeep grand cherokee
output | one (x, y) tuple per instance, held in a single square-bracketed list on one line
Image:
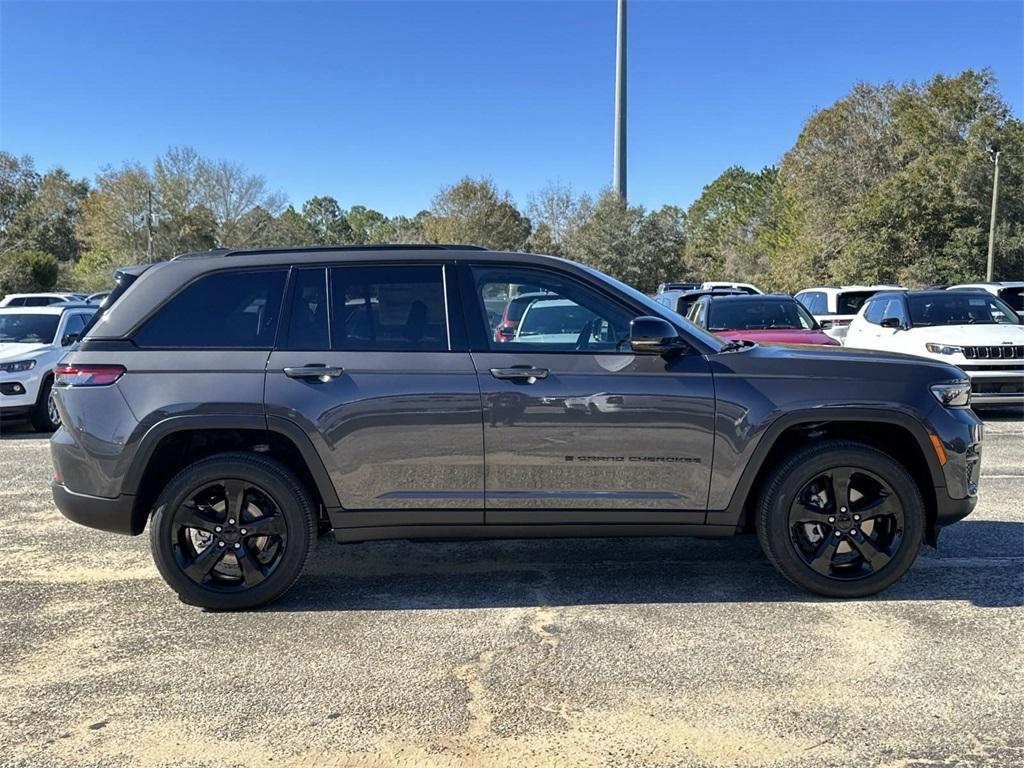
[(237, 401)]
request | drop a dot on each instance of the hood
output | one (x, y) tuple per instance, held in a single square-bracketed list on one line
[(780, 336), (10, 352), (970, 335)]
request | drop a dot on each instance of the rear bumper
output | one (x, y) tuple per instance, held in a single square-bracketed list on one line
[(115, 515)]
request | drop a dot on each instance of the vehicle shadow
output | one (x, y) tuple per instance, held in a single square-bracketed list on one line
[(982, 564)]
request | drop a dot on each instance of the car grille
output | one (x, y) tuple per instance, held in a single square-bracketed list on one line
[(994, 367), (1002, 352), (1014, 386)]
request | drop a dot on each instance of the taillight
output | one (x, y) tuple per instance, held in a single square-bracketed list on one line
[(67, 375)]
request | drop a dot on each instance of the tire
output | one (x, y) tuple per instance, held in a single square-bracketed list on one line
[(45, 417), (217, 559), (850, 549)]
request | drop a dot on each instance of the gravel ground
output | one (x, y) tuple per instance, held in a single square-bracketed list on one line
[(511, 654)]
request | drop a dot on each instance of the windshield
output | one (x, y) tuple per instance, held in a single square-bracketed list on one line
[(757, 314), (25, 328), (1014, 297), (960, 309), (658, 310), (851, 302)]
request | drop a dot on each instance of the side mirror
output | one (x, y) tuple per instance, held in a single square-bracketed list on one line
[(654, 336), (69, 339), (892, 322), (506, 333)]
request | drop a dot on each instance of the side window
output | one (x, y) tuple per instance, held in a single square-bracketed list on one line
[(698, 312), (389, 307), (306, 317), (223, 310), (75, 324), (894, 308), (561, 316), (39, 301), (874, 312), (817, 303)]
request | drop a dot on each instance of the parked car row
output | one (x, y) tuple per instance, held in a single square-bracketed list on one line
[(51, 299)]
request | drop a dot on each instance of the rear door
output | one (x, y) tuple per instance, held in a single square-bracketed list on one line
[(372, 365), (577, 428)]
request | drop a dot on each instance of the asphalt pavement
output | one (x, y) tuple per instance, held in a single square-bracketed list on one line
[(605, 652)]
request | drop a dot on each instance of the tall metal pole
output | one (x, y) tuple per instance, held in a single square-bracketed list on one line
[(992, 221), (149, 227), (619, 162)]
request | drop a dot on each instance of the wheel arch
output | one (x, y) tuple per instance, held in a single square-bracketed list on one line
[(900, 435), (174, 443)]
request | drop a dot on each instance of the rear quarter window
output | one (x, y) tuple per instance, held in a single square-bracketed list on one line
[(223, 310)]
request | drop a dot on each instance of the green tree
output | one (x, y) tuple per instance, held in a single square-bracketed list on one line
[(327, 221), (28, 271), (473, 212)]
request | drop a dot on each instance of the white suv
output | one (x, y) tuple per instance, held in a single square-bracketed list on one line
[(1012, 292), (974, 330), (32, 340), (834, 307)]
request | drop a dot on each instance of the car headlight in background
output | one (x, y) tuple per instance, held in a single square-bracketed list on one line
[(18, 367), (955, 394), (943, 349)]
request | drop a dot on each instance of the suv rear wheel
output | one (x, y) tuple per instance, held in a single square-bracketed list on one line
[(232, 531), (841, 519)]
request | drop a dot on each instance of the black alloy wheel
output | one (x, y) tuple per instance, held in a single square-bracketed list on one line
[(840, 518), (846, 523), (232, 531)]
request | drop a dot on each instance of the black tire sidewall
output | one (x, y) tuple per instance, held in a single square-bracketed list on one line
[(773, 528), (40, 413), (286, 491)]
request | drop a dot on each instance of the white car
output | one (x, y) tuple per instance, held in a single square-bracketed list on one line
[(1010, 291), (744, 287), (553, 321), (974, 330), (834, 307), (32, 340), (40, 299)]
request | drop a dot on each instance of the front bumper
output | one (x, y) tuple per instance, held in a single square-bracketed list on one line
[(18, 391), (116, 515), (991, 388)]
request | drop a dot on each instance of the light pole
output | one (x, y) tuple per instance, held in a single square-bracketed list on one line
[(992, 222), (619, 161)]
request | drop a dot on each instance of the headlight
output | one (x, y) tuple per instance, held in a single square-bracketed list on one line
[(18, 367), (943, 349), (955, 394)]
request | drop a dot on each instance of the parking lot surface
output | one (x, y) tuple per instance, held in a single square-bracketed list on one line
[(609, 652)]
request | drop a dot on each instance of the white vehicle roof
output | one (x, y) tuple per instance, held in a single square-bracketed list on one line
[(728, 284), (834, 290), (53, 309), (990, 286)]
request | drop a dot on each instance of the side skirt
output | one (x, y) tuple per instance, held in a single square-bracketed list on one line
[(348, 535)]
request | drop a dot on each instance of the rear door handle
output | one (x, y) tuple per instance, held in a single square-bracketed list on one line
[(527, 372), (322, 372)]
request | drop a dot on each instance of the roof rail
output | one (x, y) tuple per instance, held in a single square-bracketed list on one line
[(330, 248)]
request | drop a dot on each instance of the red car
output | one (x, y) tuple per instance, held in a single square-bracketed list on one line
[(505, 330), (771, 319)]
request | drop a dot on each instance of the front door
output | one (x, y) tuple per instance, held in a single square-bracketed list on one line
[(577, 428), (367, 364)]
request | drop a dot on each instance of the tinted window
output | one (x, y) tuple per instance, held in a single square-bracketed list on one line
[(40, 301), (1014, 297), (307, 315), (388, 308), (221, 310), (813, 301), (564, 316), (850, 303), (955, 308), (756, 314), (894, 308), (75, 324), (25, 328), (873, 311)]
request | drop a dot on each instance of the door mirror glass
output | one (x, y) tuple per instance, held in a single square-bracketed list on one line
[(892, 322), (654, 336)]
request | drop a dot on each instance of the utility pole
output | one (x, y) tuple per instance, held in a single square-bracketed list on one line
[(992, 221), (619, 162), (149, 227)]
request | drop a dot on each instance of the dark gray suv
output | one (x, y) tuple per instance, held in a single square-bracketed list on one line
[(240, 400)]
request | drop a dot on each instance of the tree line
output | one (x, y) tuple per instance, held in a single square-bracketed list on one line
[(892, 183)]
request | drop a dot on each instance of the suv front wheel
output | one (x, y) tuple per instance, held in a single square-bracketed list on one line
[(841, 519), (232, 531)]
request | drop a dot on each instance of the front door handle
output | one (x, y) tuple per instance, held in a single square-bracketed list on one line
[(527, 372), (322, 372)]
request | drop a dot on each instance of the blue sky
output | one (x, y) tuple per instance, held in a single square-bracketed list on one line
[(381, 103)]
